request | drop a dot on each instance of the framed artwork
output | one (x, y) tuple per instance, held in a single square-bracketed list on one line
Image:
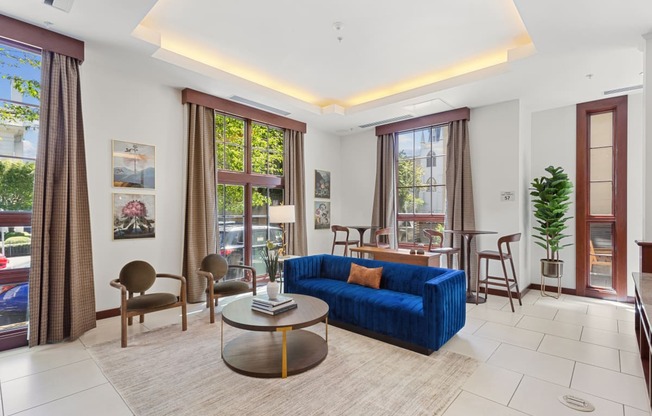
[(322, 184), (133, 165), (133, 216), (322, 215)]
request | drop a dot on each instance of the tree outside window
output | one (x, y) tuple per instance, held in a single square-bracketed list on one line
[(421, 183), (249, 164)]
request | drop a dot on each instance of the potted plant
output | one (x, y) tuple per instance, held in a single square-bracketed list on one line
[(270, 257), (551, 203)]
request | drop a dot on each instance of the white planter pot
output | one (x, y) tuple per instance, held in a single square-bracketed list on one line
[(272, 289)]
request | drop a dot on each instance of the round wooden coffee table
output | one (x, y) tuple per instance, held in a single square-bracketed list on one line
[(276, 348)]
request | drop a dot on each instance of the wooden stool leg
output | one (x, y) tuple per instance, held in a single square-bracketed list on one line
[(518, 292), (507, 285), (477, 281)]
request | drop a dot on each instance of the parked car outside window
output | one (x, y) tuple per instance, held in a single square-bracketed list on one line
[(13, 303), (232, 245)]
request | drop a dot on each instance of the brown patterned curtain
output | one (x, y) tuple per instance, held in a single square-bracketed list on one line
[(61, 292), (295, 192), (384, 208), (200, 237), (460, 211)]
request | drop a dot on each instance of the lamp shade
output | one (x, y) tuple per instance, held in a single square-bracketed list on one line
[(281, 214)]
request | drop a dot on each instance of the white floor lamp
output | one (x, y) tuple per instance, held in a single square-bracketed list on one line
[(282, 214)]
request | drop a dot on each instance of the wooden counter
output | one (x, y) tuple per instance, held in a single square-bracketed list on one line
[(400, 256), (643, 293)]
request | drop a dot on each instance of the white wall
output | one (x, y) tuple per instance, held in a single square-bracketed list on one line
[(553, 143), (496, 160), (322, 152), (358, 160), (119, 103), (646, 149), (635, 185)]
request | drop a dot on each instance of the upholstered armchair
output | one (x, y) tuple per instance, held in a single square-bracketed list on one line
[(213, 268), (135, 279)]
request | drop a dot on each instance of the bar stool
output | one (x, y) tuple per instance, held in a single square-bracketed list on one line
[(503, 255), (346, 242), (436, 245), (382, 232)]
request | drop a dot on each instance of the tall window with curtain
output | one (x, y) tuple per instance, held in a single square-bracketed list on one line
[(422, 164), (244, 157), (41, 98)]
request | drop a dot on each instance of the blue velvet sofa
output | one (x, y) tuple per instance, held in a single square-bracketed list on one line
[(416, 307)]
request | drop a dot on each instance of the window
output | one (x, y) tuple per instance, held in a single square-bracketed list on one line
[(249, 164), (421, 182), (20, 74)]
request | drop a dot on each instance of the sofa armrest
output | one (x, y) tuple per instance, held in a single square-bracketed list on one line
[(300, 268), (444, 305)]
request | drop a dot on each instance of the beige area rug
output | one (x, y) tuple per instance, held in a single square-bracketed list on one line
[(170, 372)]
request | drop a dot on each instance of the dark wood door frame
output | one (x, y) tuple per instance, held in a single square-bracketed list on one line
[(582, 218)]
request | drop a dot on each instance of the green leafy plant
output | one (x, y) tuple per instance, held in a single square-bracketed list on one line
[(551, 203), (270, 257)]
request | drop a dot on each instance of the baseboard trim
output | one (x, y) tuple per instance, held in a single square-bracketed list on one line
[(502, 293), (13, 338), (107, 313), (548, 288)]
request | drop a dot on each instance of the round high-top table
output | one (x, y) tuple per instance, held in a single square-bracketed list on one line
[(362, 229), (276, 347), (466, 261)]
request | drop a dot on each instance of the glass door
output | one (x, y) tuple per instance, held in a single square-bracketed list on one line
[(602, 199)]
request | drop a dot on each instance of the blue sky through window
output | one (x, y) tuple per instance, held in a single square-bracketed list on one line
[(14, 63)]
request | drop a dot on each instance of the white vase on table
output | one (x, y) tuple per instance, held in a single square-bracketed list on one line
[(273, 289)]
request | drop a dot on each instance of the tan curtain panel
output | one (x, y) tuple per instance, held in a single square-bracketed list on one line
[(61, 293), (295, 194), (460, 211), (384, 207), (200, 237)]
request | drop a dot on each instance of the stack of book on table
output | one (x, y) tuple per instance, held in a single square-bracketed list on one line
[(262, 303)]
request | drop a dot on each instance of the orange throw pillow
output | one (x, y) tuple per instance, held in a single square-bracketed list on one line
[(364, 276)]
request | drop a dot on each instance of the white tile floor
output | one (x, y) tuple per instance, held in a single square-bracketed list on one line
[(586, 348), (546, 349)]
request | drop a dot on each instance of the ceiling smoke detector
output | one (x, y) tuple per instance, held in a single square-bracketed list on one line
[(64, 5)]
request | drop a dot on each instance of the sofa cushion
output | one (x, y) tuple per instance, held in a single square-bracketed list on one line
[(364, 276), (387, 312)]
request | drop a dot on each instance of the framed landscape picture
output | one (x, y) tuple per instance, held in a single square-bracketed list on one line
[(133, 216), (322, 184), (322, 215), (133, 165)]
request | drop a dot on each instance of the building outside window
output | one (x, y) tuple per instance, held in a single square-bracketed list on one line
[(20, 74), (421, 183)]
